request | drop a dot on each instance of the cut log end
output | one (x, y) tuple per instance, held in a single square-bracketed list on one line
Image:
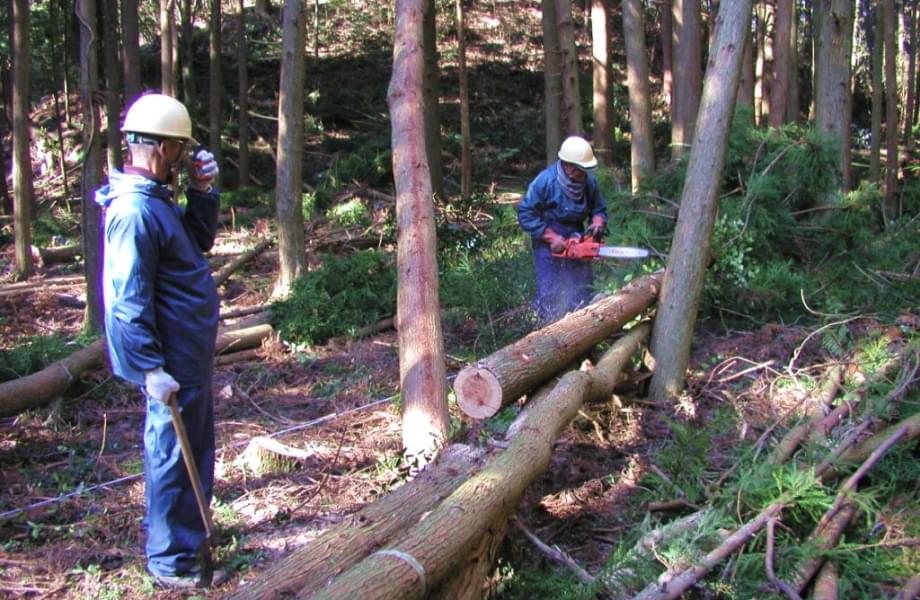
[(479, 393)]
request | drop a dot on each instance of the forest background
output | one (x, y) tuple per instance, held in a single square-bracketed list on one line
[(812, 261)]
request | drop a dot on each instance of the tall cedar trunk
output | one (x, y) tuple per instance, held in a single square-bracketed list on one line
[(746, 85), (466, 160), (215, 88), (911, 51), (91, 216), (112, 69), (288, 183), (666, 28), (891, 210), (6, 202), (131, 50), (782, 54), (603, 104), (167, 35), (875, 37), (22, 162), (832, 83), (642, 157), (687, 74), (59, 119), (814, 30), (759, 47), (243, 77), (792, 78), (568, 59), (187, 55), (411, 566), (552, 81), (686, 270), (350, 541), (421, 346), (767, 75), (487, 386), (431, 95)]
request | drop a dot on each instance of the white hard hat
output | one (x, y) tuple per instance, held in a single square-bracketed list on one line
[(577, 150), (160, 116)]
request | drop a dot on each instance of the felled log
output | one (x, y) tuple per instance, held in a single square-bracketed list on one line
[(224, 273), (230, 358), (414, 564), (824, 538), (795, 436), (864, 449), (41, 387), (243, 312), (484, 388), (12, 289), (826, 582), (47, 256), (365, 531)]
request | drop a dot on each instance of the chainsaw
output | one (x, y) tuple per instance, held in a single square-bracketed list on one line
[(588, 249)]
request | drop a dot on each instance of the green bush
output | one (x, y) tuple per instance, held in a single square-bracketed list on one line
[(341, 296), (32, 354)]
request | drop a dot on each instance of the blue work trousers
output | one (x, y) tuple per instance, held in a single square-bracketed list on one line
[(563, 284), (175, 529)]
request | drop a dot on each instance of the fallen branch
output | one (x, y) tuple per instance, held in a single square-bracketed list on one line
[(771, 574), (243, 312), (223, 274), (47, 256), (235, 357), (829, 387), (12, 289), (826, 582), (555, 554), (824, 537)]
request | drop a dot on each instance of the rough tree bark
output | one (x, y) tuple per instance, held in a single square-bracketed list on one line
[(782, 55), (421, 346), (875, 36), (413, 565), (91, 217), (131, 57), (832, 82), (487, 386), (552, 81), (288, 184), (22, 161), (431, 93), (350, 541), (746, 84), (891, 210), (186, 51), (602, 134), (642, 153), (466, 160), (167, 35), (685, 102), (666, 35), (686, 270), (243, 99), (568, 60), (112, 70), (215, 85)]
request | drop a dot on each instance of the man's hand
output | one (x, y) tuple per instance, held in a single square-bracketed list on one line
[(160, 385), (204, 170), (597, 229), (556, 242)]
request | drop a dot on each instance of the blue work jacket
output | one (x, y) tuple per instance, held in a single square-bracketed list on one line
[(545, 205), (161, 304)]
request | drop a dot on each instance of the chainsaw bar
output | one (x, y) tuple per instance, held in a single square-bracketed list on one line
[(622, 252)]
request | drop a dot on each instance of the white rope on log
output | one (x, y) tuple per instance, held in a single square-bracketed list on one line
[(409, 560)]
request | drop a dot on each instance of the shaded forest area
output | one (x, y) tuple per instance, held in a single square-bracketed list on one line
[(805, 355)]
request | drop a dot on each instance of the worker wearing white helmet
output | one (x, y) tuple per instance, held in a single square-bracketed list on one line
[(161, 311), (559, 203)]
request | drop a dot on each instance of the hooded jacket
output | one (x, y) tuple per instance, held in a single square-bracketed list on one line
[(161, 304), (546, 205)]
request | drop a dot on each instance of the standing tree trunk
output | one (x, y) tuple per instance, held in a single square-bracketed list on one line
[(832, 83), (792, 93), (466, 161), (431, 96), (288, 184), (552, 81), (687, 74), (421, 347), (215, 89), (875, 38), (642, 154), (603, 105), (187, 58), (782, 54), (243, 77), (167, 35), (761, 76), (686, 270), (890, 210), (58, 117), (746, 85), (22, 161), (113, 86), (91, 216), (911, 51), (131, 50), (568, 59), (666, 28)]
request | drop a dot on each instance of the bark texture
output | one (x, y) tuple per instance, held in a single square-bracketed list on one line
[(486, 387), (552, 81), (167, 35), (242, 50), (131, 53), (782, 55), (22, 161), (687, 73), (421, 346), (568, 60), (892, 210), (686, 270), (642, 154), (602, 134), (215, 85)]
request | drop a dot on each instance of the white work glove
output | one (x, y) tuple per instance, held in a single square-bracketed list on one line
[(160, 385), (204, 170)]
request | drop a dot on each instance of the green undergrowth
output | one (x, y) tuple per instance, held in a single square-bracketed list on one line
[(33, 353)]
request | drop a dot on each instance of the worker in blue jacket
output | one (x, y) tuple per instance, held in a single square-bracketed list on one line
[(161, 312), (559, 202)]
